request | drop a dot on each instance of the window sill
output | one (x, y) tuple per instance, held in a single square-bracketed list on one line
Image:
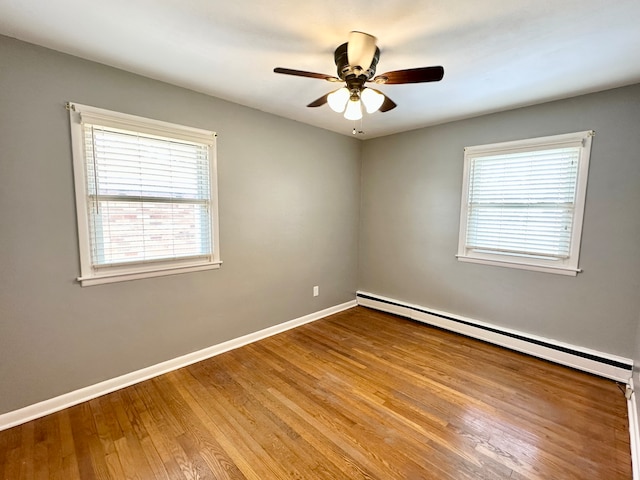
[(161, 272), (522, 266)]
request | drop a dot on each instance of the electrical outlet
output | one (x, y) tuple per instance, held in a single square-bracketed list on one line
[(316, 291)]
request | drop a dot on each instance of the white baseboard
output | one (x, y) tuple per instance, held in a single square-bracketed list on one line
[(591, 361), (46, 407), (634, 432)]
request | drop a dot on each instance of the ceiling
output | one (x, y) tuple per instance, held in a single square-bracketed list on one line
[(497, 54)]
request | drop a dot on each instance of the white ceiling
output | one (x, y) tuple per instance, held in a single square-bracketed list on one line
[(497, 54)]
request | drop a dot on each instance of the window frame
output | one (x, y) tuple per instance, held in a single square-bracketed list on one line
[(568, 266), (92, 275)]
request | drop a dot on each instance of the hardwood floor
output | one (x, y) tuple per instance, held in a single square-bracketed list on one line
[(360, 394)]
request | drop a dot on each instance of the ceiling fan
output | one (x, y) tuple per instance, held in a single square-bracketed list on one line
[(356, 61)]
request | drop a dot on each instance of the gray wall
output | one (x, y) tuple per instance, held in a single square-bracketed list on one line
[(289, 206), (411, 191)]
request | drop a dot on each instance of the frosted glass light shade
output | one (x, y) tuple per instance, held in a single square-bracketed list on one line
[(354, 110), (371, 99), (361, 49), (338, 100)]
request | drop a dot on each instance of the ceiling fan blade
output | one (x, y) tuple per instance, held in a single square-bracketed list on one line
[(319, 102), (361, 48), (387, 105), (301, 73), (411, 75)]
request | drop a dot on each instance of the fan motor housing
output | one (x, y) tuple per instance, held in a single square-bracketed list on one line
[(345, 70)]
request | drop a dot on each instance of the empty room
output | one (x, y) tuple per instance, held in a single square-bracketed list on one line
[(338, 240)]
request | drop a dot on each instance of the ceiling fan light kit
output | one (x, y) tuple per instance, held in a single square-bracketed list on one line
[(356, 63), (353, 110), (338, 99), (371, 99)]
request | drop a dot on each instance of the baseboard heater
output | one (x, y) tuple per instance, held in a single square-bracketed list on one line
[(599, 363)]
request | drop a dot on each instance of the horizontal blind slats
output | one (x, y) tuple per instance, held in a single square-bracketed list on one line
[(148, 197), (522, 203)]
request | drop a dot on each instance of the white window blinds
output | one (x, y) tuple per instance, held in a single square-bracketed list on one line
[(148, 197), (523, 203)]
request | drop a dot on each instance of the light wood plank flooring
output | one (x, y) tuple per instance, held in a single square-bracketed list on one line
[(358, 395)]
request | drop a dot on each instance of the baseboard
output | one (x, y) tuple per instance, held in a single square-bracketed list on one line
[(46, 407), (634, 432), (581, 358)]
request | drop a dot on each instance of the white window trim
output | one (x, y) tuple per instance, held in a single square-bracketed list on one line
[(96, 276), (562, 267)]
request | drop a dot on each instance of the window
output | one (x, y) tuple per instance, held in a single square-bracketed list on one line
[(523, 203), (146, 196)]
